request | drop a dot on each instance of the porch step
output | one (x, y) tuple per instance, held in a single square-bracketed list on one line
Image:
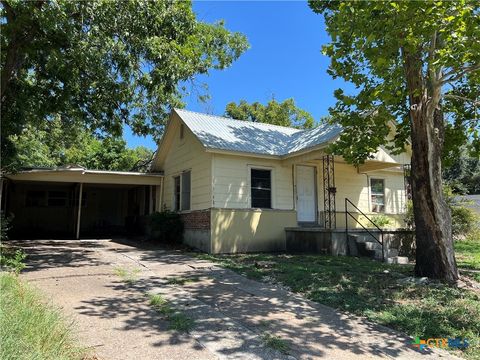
[(367, 246), (397, 260)]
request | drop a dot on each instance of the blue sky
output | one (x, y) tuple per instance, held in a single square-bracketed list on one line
[(284, 59)]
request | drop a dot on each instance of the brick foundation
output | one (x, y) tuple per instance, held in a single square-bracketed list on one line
[(196, 220)]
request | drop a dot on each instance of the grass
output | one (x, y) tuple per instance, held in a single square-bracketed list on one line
[(371, 289), (276, 343), (12, 258), (30, 329), (178, 321), (182, 280), (130, 276), (468, 251)]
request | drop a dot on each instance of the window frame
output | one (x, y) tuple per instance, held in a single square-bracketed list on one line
[(178, 197), (177, 192), (272, 185), (371, 194), (182, 192)]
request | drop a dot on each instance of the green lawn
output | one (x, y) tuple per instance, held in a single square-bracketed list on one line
[(29, 329), (370, 289), (468, 253)]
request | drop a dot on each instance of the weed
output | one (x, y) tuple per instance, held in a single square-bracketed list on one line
[(276, 343), (12, 259), (178, 321), (128, 276), (182, 280)]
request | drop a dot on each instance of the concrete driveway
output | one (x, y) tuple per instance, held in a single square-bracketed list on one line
[(232, 314)]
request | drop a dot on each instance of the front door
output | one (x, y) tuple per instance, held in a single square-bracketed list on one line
[(306, 203)]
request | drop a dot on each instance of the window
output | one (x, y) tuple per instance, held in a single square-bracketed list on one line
[(181, 190), (377, 193), (74, 198), (261, 188), (182, 131), (35, 198), (57, 198), (186, 177), (176, 192)]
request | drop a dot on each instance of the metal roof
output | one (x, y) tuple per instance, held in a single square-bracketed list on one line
[(221, 133)]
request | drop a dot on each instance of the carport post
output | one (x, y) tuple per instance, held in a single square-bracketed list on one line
[(79, 213)]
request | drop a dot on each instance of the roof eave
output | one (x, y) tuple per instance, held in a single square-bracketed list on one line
[(242, 153)]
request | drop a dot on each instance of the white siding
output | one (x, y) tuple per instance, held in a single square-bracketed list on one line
[(188, 154), (231, 181), (356, 187)]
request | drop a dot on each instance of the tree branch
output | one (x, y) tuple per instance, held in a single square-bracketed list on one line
[(458, 97), (465, 70)]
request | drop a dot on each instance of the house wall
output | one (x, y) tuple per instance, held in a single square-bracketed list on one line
[(356, 187), (249, 230), (188, 154), (231, 181)]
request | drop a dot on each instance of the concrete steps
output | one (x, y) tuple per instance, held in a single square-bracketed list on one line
[(363, 244)]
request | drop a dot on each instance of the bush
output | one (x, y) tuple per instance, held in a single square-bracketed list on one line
[(382, 220), (464, 220), (165, 227), (12, 259), (4, 226)]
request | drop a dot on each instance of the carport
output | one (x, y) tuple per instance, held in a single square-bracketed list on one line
[(75, 202)]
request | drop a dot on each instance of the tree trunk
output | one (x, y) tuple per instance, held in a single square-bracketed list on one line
[(433, 225), (435, 256)]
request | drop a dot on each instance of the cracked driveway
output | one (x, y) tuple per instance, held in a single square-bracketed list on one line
[(114, 320)]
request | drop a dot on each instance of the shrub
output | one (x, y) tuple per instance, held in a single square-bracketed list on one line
[(12, 259), (165, 227), (409, 217), (464, 220), (381, 220), (4, 226)]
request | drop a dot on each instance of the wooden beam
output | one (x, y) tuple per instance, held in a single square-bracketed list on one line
[(79, 213)]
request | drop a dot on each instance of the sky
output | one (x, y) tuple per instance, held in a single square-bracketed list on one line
[(284, 59)]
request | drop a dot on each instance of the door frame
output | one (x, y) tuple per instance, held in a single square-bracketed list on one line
[(315, 191)]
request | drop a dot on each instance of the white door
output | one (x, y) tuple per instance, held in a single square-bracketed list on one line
[(306, 208)]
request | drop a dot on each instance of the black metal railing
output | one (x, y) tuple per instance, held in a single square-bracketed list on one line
[(347, 213)]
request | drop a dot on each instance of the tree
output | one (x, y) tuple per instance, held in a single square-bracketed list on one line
[(103, 64), (56, 143), (463, 173), (406, 60), (284, 113)]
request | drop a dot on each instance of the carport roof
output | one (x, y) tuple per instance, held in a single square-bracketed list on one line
[(77, 174)]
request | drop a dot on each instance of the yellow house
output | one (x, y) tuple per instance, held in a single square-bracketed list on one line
[(239, 185)]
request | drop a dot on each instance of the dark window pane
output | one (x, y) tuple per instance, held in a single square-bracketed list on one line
[(57, 202), (377, 186), (35, 198), (261, 188), (176, 190), (186, 181)]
